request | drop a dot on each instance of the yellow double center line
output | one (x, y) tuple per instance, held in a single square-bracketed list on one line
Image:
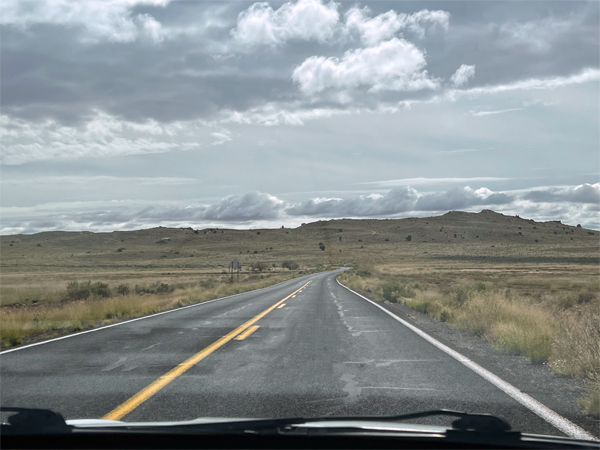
[(143, 395)]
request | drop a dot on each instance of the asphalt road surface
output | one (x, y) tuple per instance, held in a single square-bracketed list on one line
[(306, 347)]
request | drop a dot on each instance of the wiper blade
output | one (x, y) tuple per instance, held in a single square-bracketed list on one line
[(483, 423), (466, 421), (33, 421), (42, 421)]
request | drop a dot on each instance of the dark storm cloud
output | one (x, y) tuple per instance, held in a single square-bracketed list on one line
[(167, 82)]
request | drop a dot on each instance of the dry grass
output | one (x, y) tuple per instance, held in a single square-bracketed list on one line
[(63, 317), (576, 347), (557, 324)]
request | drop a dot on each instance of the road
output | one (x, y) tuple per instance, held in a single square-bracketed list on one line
[(314, 349)]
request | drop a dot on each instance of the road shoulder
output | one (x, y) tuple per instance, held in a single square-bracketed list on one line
[(538, 381)]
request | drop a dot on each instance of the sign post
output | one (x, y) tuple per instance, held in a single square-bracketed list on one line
[(235, 265)]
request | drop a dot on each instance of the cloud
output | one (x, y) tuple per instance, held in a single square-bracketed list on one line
[(584, 76), (249, 206), (109, 20), (304, 20), (395, 201), (538, 35), (463, 74), (395, 65), (400, 200), (490, 113), (106, 179), (576, 204), (461, 198), (385, 26), (100, 136), (584, 193), (272, 114), (221, 137), (431, 181), (314, 20)]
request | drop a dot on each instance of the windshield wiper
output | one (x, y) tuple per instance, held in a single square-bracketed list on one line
[(473, 422), (33, 421)]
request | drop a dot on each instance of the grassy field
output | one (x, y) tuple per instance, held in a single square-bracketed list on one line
[(528, 287)]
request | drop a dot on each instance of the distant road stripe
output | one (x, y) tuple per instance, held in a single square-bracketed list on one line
[(248, 332), (281, 306), (563, 424), (93, 330), (143, 395)]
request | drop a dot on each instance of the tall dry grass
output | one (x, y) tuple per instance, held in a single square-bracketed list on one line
[(17, 324), (561, 329)]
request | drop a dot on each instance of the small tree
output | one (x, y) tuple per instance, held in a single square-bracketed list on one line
[(409, 238)]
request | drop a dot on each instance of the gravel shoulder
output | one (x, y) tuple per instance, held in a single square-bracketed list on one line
[(538, 381)]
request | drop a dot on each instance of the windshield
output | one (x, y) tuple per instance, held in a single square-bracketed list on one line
[(309, 208)]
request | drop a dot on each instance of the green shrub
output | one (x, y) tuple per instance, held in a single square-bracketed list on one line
[(291, 265), (123, 289), (79, 291), (83, 291), (100, 289), (462, 292), (392, 291), (164, 287)]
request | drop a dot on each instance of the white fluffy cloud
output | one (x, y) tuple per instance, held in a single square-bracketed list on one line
[(373, 30), (307, 20), (110, 20), (463, 74), (304, 20), (394, 65)]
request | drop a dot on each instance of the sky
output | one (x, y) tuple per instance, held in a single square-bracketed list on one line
[(130, 114)]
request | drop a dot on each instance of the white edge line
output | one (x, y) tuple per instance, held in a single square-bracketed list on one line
[(142, 318), (564, 425)]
